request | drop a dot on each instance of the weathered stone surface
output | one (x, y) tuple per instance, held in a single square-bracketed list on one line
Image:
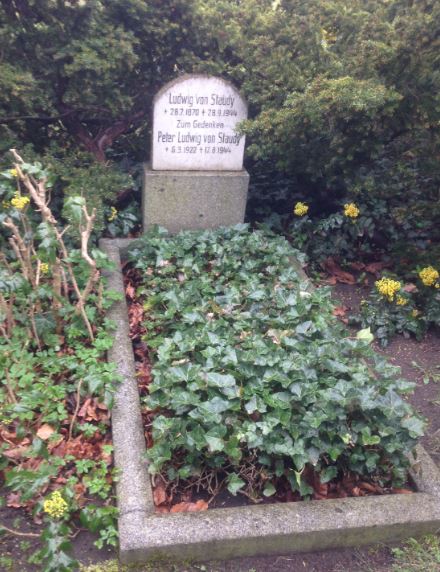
[(133, 487), (278, 528), (194, 125), (183, 200), (251, 530)]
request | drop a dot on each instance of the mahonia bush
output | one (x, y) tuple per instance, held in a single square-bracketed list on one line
[(395, 308)]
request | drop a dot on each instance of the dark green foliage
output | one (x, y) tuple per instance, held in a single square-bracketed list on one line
[(343, 98), (56, 549), (98, 183), (251, 367), (85, 72)]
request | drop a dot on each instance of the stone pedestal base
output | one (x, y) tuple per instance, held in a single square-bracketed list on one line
[(184, 200)]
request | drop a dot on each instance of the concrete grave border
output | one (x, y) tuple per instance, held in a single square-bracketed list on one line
[(243, 531)]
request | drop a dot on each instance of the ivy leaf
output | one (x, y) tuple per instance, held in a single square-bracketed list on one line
[(255, 365), (414, 425), (220, 380), (365, 335), (328, 474), (214, 443), (269, 490), (305, 328), (235, 483)]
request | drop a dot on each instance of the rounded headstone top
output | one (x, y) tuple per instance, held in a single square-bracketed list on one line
[(194, 125)]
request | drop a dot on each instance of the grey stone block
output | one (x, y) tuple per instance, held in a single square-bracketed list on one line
[(185, 200)]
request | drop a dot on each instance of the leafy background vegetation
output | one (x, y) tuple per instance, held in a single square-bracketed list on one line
[(343, 110), (57, 387), (343, 102)]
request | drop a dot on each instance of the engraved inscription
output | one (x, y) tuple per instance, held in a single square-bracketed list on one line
[(194, 125)]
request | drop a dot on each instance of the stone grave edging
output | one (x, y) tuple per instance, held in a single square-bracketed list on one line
[(250, 530)]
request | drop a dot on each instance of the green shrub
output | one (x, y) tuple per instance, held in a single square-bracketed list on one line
[(394, 307), (54, 336)]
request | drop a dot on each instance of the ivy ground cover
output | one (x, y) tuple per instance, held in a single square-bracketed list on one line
[(255, 385)]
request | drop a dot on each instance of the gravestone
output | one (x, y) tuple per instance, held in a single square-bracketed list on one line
[(196, 178)]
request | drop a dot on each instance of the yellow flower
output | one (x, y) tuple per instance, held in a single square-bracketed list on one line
[(429, 276), (13, 172), (328, 37), (388, 288), (300, 209), (351, 210), (6, 205), (113, 214), (44, 268), (55, 506), (415, 313), (401, 301), (19, 202)]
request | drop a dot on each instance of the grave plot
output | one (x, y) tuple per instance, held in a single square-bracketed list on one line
[(255, 383)]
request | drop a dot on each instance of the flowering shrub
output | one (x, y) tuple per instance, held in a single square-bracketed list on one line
[(347, 234), (19, 202), (392, 308), (387, 316), (253, 378), (52, 362), (122, 222)]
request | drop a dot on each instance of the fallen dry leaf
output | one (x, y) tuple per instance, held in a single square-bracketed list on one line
[(80, 448), (80, 489), (8, 437), (357, 265), (339, 312), (92, 414), (375, 267), (16, 452), (13, 500), (130, 291), (410, 288), (60, 449), (83, 411), (369, 487), (45, 431), (54, 443), (190, 506), (336, 272), (159, 494)]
